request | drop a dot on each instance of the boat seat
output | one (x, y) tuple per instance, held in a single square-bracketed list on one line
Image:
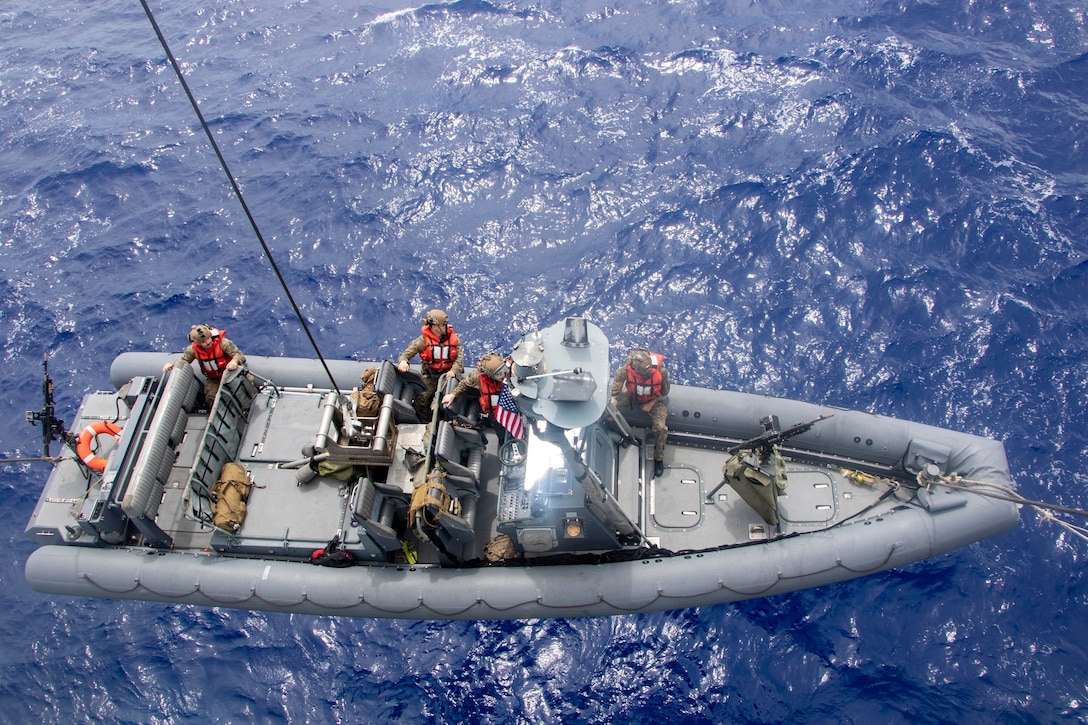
[(219, 444), (465, 409), (404, 387), (459, 529), (453, 525), (373, 506), (142, 495), (460, 460)]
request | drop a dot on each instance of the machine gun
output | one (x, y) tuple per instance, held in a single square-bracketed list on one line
[(765, 442), (52, 426)]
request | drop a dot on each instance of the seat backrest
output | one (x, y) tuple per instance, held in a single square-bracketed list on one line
[(433, 512), (219, 443), (466, 405), (465, 408), (372, 510), (404, 387), (459, 460), (141, 496)]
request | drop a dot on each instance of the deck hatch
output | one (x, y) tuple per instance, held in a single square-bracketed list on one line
[(810, 498), (677, 499)]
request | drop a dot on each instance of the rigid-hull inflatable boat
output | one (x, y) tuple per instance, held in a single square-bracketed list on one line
[(448, 518)]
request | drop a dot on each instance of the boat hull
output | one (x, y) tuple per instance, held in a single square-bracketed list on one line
[(705, 550), (745, 572)]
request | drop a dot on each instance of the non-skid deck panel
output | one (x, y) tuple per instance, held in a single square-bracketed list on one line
[(279, 425), (186, 532), (724, 519), (100, 406), (317, 513), (809, 498), (677, 498)]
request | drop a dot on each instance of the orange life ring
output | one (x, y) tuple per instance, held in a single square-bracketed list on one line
[(91, 432)]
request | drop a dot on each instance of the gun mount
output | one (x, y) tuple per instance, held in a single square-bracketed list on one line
[(772, 435), (52, 427)]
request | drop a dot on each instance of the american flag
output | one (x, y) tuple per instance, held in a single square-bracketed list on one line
[(508, 415)]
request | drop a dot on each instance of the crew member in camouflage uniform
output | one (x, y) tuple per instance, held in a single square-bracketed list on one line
[(486, 381), (439, 351), (644, 382), (215, 354)]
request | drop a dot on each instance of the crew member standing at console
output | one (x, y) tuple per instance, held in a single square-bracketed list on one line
[(644, 382), (440, 351), (215, 354)]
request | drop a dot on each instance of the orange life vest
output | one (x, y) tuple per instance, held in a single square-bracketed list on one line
[(644, 388), (213, 361), (440, 354), (489, 393)]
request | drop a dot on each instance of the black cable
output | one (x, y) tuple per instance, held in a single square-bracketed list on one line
[(238, 191)]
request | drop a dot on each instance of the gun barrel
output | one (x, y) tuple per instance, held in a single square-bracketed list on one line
[(774, 437), (52, 427)]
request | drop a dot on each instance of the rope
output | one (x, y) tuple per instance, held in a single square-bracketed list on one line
[(1078, 531), (1002, 493), (238, 192)]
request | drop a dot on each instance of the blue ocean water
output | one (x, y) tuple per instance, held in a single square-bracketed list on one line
[(870, 204)]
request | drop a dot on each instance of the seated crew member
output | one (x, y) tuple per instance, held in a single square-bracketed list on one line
[(214, 353), (644, 382), (487, 379), (440, 351)]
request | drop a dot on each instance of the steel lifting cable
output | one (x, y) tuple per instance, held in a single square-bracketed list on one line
[(238, 191), (994, 491)]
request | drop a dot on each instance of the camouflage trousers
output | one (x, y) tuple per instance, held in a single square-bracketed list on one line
[(422, 402), (658, 413), (211, 387)]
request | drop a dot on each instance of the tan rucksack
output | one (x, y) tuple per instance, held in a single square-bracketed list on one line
[(230, 494), (367, 402)]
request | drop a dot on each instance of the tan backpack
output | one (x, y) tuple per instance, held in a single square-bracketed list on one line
[(230, 494)]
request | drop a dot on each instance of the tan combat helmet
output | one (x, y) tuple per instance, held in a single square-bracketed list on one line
[(436, 317), (200, 333), (640, 361), (493, 366)]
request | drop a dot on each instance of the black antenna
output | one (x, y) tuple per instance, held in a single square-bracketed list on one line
[(238, 191)]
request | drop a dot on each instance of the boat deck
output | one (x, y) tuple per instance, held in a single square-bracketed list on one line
[(684, 509), (153, 515)]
